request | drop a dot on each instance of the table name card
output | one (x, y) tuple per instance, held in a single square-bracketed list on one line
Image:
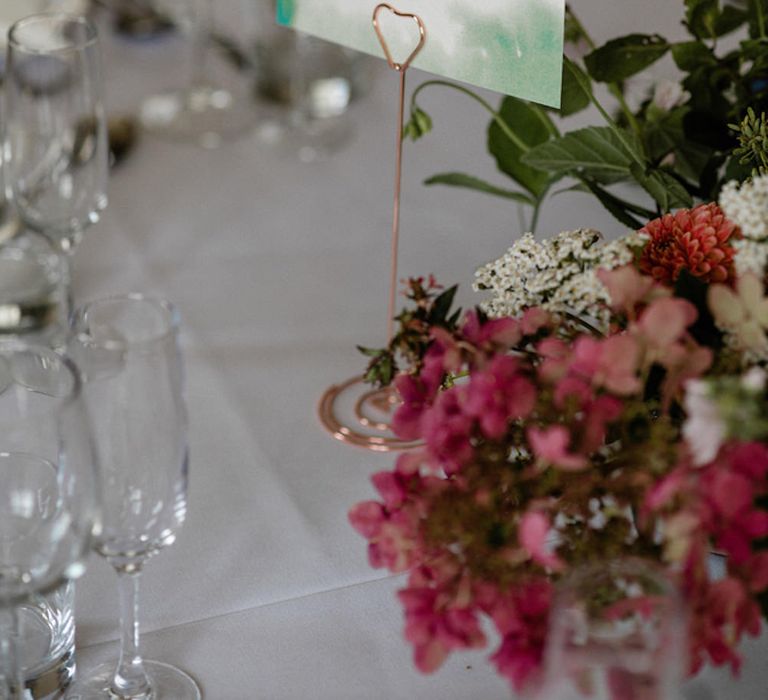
[(512, 46)]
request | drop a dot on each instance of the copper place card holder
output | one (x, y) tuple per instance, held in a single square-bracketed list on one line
[(369, 426)]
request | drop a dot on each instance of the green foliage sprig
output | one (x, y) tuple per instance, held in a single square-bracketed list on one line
[(752, 134), (676, 153), (431, 307)]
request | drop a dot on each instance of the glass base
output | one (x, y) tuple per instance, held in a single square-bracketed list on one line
[(206, 115), (168, 683), (46, 645)]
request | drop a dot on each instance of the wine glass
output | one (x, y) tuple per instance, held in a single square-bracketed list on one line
[(617, 630), (127, 348), (56, 135), (48, 493), (209, 108)]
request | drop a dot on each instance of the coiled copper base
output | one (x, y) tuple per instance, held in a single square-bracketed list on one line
[(369, 423)]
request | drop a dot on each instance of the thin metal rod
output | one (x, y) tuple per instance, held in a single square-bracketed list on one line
[(396, 211)]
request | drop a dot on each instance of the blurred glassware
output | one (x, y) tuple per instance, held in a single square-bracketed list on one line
[(12, 11), (46, 642), (310, 82), (49, 493), (127, 348), (137, 19), (56, 156), (33, 294), (617, 632), (215, 104)]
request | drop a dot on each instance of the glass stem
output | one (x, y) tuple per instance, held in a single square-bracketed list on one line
[(202, 26), (130, 680), (12, 671)]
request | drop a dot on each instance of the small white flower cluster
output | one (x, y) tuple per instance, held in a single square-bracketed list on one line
[(747, 207), (558, 274), (668, 94)]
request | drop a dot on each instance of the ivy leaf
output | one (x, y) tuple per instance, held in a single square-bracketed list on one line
[(666, 191), (596, 152), (622, 58), (475, 183), (532, 127)]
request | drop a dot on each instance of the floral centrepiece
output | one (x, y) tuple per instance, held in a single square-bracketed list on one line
[(595, 411)]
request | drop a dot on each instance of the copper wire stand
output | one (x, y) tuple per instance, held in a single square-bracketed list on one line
[(369, 425)]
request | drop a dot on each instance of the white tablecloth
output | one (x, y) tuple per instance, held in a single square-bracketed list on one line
[(279, 268)]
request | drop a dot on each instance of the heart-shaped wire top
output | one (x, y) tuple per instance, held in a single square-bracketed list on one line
[(387, 54)]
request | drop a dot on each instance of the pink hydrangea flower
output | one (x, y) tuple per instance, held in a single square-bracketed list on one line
[(551, 446), (522, 618), (500, 332), (627, 287), (498, 394), (447, 429), (437, 624), (533, 533), (611, 363), (416, 398)]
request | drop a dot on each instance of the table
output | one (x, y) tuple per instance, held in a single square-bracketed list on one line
[(279, 268)]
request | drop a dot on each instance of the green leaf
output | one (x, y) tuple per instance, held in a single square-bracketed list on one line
[(700, 17), (690, 55), (706, 20), (595, 151), (617, 207), (621, 58), (442, 305), (475, 183), (730, 20), (666, 190), (662, 135), (736, 170), (574, 97), (371, 352), (420, 124), (757, 11), (532, 127), (692, 160)]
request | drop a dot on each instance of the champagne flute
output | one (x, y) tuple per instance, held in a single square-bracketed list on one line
[(48, 493), (208, 109), (127, 348), (56, 135)]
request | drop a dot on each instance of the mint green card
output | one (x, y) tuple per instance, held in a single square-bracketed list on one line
[(512, 46)]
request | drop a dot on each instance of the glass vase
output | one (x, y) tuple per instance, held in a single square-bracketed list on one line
[(617, 632)]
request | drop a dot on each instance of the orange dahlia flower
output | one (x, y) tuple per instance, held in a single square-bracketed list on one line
[(695, 240)]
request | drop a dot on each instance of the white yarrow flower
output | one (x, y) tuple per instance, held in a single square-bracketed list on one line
[(558, 274), (747, 206)]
